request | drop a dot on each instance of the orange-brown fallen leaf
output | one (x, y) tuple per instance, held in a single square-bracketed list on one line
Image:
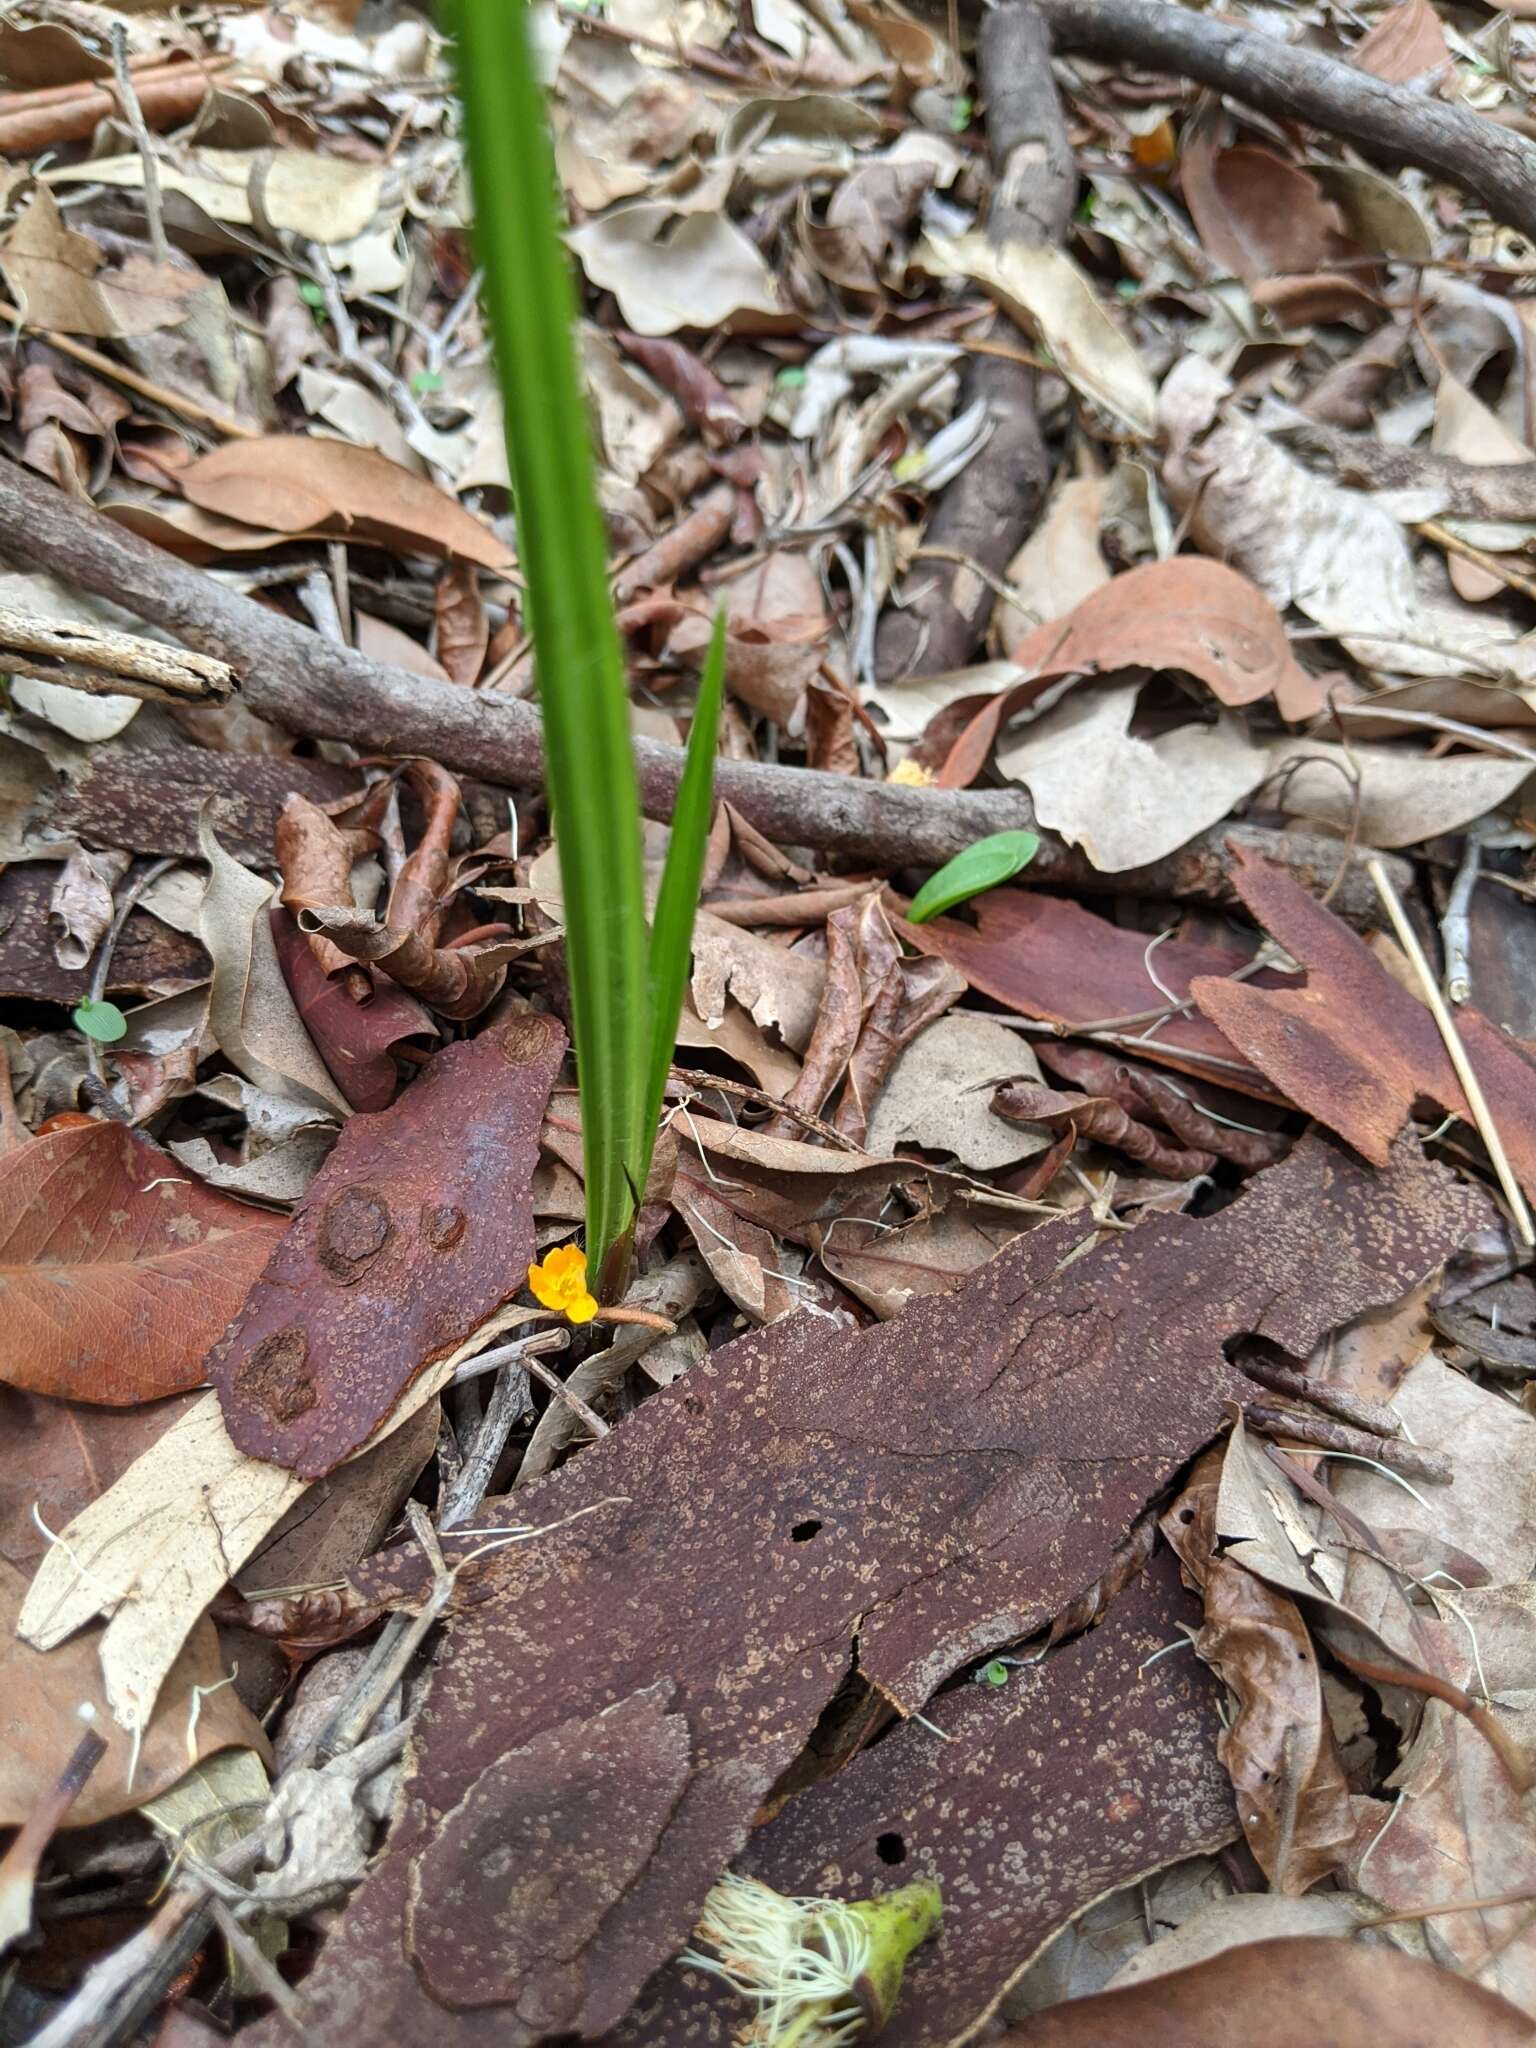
[(117, 1271), (293, 485)]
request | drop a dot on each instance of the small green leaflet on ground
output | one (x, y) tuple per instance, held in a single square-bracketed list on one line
[(997, 858)]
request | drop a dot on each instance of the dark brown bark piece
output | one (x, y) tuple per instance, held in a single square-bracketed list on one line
[(147, 956), (148, 799), (418, 1226), (919, 1493), (1391, 124), (520, 1875), (1086, 1771), (992, 505)]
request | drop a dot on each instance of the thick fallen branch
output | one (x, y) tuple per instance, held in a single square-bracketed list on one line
[(292, 676), (993, 503), (1390, 123)]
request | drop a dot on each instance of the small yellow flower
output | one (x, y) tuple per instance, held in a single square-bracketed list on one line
[(912, 773), (561, 1283)]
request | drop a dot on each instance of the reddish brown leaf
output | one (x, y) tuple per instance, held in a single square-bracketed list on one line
[(292, 483), (116, 1270), (463, 630), (928, 1490), (1351, 1046), (418, 1225), (354, 1039), (1052, 959), (1094, 1116), (1300, 1993), (1187, 613), (74, 1453), (1259, 214), (1103, 1760)]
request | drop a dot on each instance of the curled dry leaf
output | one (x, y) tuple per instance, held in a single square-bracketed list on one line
[(356, 1040), (1100, 1118), (315, 857), (294, 484), (938, 1095), (118, 1270), (1278, 1746), (463, 630), (667, 272), (80, 908), (250, 1011), (326, 199), (417, 1228)]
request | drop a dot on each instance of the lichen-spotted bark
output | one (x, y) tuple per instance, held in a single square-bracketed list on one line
[(915, 1494), (1086, 1771), (417, 1227)]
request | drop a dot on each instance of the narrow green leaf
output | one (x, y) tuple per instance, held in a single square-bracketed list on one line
[(562, 551), (678, 897), (102, 1021), (982, 866)]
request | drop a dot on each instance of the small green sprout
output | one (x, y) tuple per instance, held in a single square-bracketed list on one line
[(104, 1022)]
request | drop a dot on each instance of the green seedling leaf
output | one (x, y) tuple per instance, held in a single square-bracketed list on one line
[(960, 115), (995, 1673), (790, 378), (671, 947), (425, 382), (583, 699), (997, 858), (312, 294), (104, 1022)]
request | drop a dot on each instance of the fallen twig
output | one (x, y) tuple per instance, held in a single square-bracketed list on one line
[(1392, 124), (991, 506), (1289, 1423), (293, 677), (104, 663)]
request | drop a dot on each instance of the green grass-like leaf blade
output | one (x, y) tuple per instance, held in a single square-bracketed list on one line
[(677, 899), (561, 547), (997, 858)]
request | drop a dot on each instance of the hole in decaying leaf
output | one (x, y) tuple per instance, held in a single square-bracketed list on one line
[(802, 1532), (890, 1847)]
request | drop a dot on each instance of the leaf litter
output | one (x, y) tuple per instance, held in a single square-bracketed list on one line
[(1010, 1268)]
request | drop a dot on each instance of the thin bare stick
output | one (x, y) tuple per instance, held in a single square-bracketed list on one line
[(133, 113), (508, 1399), (585, 1415), (1472, 1088), (259, 1968), (119, 373), (1456, 925), (105, 663)]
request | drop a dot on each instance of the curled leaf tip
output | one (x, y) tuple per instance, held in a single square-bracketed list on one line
[(560, 1283)]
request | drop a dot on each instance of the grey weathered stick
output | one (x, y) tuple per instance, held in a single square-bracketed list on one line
[(105, 663), (1392, 124), (1411, 1459), (992, 505), (299, 680)]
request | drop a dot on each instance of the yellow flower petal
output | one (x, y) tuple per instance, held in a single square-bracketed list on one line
[(582, 1309)]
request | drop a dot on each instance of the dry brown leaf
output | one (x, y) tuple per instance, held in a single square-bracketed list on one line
[(325, 199), (938, 1095), (51, 1698), (1044, 290), (250, 1011), (1405, 45), (57, 277), (1258, 214), (1124, 800), (296, 484), (1288, 1994), (118, 1271), (463, 630)]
